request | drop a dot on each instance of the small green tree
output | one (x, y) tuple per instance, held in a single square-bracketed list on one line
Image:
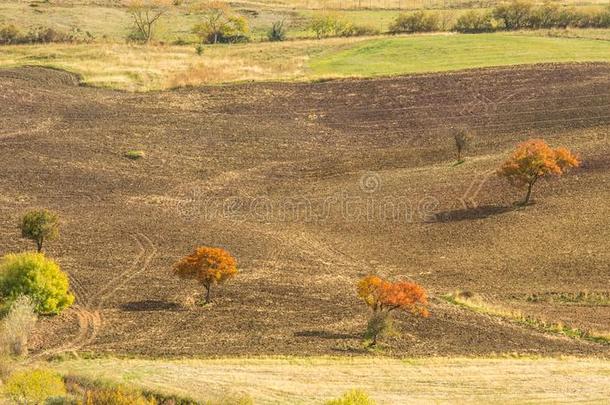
[(219, 23), (35, 276), (34, 386), (325, 25), (40, 225)]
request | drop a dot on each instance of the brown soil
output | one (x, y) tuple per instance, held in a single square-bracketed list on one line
[(310, 186)]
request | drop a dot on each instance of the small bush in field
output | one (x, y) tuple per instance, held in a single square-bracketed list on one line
[(277, 32), (324, 25), (138, 154), (18, 325), (418, 21), (116, 396), (352, 30), (35, 276), (353, 397), (9, 34), (34, 386)]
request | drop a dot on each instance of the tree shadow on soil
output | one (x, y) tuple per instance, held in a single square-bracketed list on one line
[(480, 212), (322, 334), (151, 305)]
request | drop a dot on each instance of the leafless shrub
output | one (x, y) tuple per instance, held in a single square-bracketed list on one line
[(18, 326)]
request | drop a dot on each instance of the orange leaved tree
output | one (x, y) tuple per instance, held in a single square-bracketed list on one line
[(534, 159), (383, 297), (207, 265)]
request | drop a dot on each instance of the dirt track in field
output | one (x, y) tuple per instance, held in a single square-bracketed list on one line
[(310, 186)]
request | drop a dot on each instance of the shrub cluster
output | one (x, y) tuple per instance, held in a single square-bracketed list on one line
[(519, 15), (418, 21), (234, 30), (476, 21), (329, 25), (34, 386), (10, 34), (515, 15)]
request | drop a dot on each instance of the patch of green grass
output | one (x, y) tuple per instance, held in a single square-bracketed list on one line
[(477, 304), (435, 53), (580, 298), (134, 154)]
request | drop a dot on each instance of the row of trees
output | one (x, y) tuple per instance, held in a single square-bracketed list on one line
[(211, 266)]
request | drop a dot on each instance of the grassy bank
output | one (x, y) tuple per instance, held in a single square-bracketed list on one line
[(389, 381), (141, 68), (423, 53)]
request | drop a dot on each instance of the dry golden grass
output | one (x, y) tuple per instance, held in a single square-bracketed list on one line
[(388, 381), (143, 68)]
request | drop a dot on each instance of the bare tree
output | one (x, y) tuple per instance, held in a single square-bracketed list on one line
[(145, 15), (462, 140)]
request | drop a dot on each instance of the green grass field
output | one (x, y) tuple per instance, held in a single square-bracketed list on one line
[(388, 381), (417, 54)]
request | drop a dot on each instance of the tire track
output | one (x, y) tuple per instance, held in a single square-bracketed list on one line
[(88, 312)]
